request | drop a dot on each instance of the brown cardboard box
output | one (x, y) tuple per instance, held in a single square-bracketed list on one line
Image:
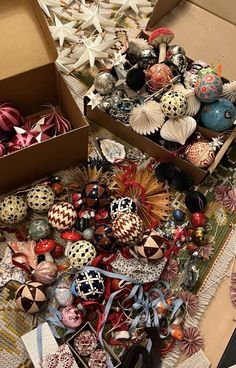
[(29, 79), (204, 28)]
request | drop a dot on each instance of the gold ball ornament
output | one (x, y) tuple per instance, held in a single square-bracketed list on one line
[(13, 210)]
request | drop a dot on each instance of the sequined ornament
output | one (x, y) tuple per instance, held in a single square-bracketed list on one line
[(39, 229), (46, 272), (146, 58), (128, 228), (62, 215), (13, 209), (10, 117), (80, 254), (63, 295), (104, 237), (71, 316), (180, 61), (104, 83), (95, 195), (158, 75), (123, 204), (173, 104), (85, 343), (88, 285), (208, 88), (98, 359), (151, 247), (31, 297), (200, 154), (40, 198), (219, 115)]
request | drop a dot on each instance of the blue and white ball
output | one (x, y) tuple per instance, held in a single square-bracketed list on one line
[(88, 285), (121, 205)]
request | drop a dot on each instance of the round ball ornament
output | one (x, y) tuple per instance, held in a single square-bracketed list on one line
[(128, 228), (151, 248), (198, 219), (13, 209), (39, 229), (195, 201), (98, 359), (85, 343), (62, 215), (146, 58), (121, 205), (178, 215), (218, 116), (208, 88), (31, 297), (40, 198), (158, 75), (46, 272), (88, 285), (80, 254), (180, 61), (135, 79), (10, 117), (200, 154), (173, 104), (104, 83), (104, 237), (71, 316), (174, 50), (95, 195)]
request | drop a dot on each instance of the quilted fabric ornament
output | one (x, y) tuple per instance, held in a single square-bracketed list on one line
[(95, 195), (173, 104), (88, 285), (128, 228), (151, 247), (13, 209), (200, 154), (62, 215), (123, 204), (104, 237), (10, 117), (80, 254), (31, 297), (40, 198)]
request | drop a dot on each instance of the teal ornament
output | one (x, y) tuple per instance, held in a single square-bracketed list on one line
[(39, 229), (208, 88), (218, 116)]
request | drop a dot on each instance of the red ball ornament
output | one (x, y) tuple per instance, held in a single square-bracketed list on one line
[(10, 117), (198, 219), (58, 251), (158, 76)]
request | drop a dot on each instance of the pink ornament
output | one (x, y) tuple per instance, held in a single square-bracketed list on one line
[(63, 295), (229, 202), (200, 154), (21, 140), (170, 271), (191, 302), (58, 123), (158, 76), (2, 150), (192, 341), (46, 272), (71, 316), (9, 117)]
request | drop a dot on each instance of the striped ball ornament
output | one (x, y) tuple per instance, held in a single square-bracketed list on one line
[(10, 117), (62, 216), (128, 228)]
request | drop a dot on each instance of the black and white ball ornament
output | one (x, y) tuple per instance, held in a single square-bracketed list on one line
[(40, 198), (173, 104), (80, 254), (13, 209), (62, 215), (121, 205), (31, 297), (151, 248), (88, 285)]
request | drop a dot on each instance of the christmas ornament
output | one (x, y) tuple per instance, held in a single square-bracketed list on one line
[(58, 251), (165, 171), (182, 181), (45, 246), (104, 83), (31, 297), (71, 316), (218, 116), (2, 150), (21, 140), (45, 4), (190, 301), (95, 195), (98, 358), (85, 343), (199, 235), (173, 104), (178, 215), (174, 50), (95, 99), (40, 198), (45, 272), (193, 104), (170, 271), (64, 59), (208, 88), (158, 75), (104, 238), (128, 228), (88, 234), (146, 58), (178, 130), (112, 151), (135, 79), (39, 229), (62, 215), (161, 37), (134, 5), (195, 201), (13, 209), (200, 154), (88, 285), (123, 204), (192, 341), (63, 295), (137, 45), (151, 247), (180, 61), (229, 91), (26, 251), (10, 117), (80, 254), (57, 123), (63, 31), (198, 219)]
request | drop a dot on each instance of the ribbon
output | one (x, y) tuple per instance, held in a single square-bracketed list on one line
[(55, 320)]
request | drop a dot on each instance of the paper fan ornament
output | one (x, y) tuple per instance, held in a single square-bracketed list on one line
[(193, 104), (147, 118), (229, 91), (178, 130)]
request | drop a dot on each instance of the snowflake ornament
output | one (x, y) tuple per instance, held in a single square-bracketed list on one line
[(119, 60), (130, 4), (62, 32), (216, 143)]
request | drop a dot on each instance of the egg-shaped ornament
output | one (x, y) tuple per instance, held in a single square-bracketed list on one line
[(173, 104), (39, 229), (62, 215), (158, 75), (13, 209), (40, 198), (72, 316), (121, 205), (104, 238), (208, 88), (80, 254), (151, 248), (31, 297), (219, 115), (95, 195), (200, 154), (45, 272), (88, 285), (128, 228), (63, 295)]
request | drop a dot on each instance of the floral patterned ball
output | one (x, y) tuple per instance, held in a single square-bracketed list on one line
[(200, 154), (13, 210), (40, 198), (208, 88), (173, 104)]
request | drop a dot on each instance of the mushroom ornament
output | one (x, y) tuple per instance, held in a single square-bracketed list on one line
[(162, 37)]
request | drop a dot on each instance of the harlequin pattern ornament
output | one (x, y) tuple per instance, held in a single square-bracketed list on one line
[(10, 117), (88, 285), (85, 343), (62, 215), (40, 198), (80, 254), (173, 104), (151, 248), (200, 154), (158, 75), (71, 316), (218, 116), (95, 195), (208, 88), (39, 229), (31, 297), (123, 204), (63, 295), (104, 237), (13, 209), (128, 228)]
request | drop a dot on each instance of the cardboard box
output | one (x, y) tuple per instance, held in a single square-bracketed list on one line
[(29, 79), (204, 28)]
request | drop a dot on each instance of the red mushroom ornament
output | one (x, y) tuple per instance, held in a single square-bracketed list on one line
[(70, 236), (162, 37), (45, 246)]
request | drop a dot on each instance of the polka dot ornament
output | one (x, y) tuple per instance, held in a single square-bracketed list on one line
[(40, 198), (88, 285), (173, 104), (13, 209), (80, 254), (31, 297), (62, 215), (123, 204), (128, 228)]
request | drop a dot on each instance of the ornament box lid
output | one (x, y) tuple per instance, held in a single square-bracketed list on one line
[(205, 28)]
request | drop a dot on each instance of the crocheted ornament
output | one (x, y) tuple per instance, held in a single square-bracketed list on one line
[(80, 254), (128, 228), (31, 297), (62, 215), (13, 209), (123, 204), (40, 198), (88, 285)]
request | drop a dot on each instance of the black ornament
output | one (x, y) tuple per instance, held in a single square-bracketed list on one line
[(135, 79), (165, 171), (182, 181), (195, 201)]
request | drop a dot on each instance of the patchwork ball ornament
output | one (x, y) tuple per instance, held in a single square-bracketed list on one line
[(62, 215), (80, 254), (208, 88), (128, 228), (123, 204), (13, 209), (200, 154), (95, 195), (104, 238), (10, 117), (173, 104), (151, 248), (31, 297), (219, 115), (88, 285), (40, 198)]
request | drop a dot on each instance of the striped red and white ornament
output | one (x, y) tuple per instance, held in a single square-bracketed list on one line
[(62, 215), (10, 117)]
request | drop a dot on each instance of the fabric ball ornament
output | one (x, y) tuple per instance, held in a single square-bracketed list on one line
[(62, 215), (95, 195), (31, 297), (88, 285), (40, 198), (123, 204), (218, 116), (208, 88), (195, 201), (85, 343), (63, 295), (173, 104), (104, 237), (151, 247), (128, 228), (80, 254), (200, 154), (182, 181), (165, 171), (39, 229), (10, 117), (13, 209), (158, 75), (71, 316), (46, 272)]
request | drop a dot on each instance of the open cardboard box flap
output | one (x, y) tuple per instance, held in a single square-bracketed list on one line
[(26, 42), (205, 28)]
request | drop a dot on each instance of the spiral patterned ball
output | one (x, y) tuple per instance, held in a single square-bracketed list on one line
[(62, 216), (128, 228)]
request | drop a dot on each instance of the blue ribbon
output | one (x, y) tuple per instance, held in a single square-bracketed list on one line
[(55, 320), (40, 342)]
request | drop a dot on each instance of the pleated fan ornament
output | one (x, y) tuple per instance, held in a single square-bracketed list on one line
[(58, 122), (229, 91)]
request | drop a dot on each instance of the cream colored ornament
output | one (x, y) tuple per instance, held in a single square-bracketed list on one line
[(178, 130), (229, 91), (173, 104), (80, 254), (13, 210), (147, 118), (40, 198), (193, 104), (112, 150)]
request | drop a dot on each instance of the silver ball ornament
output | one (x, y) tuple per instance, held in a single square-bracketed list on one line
[(146, 58), (13, 209), (88, 234), (104, 83)]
